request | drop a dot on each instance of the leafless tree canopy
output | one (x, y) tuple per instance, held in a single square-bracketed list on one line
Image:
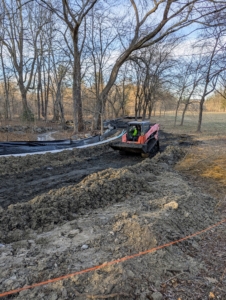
[(95, 59)]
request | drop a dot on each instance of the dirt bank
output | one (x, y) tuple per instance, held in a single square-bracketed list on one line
[(82, 208)]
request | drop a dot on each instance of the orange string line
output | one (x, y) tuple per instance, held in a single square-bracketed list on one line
[(110, 263)]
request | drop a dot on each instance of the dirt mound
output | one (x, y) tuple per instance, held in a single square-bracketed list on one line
[(108, 215), (97, 190), (15, 165), (171, 155)]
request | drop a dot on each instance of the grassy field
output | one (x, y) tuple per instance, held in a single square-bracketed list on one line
[(206, 159), (212, 124)]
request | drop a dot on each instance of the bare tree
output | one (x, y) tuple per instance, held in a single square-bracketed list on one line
[(118, 97), (98, 48), (73, 15), (152, 68), (45, 46), (20, 40), (60, 71), (6, 84), (195, 78), (211, 67), (139, 92), (181, 82), (116, 31), (221, 89), (144, 31), (188, 74)]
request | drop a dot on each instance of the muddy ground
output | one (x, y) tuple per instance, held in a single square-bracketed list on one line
[(65, 212)]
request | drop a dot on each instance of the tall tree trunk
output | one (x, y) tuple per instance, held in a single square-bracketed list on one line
[(136, 108), (150, 111), (200, 114), (27, 114), (38, 103), (61, 107), (39, 87), (58, 105), (47, 89), (144, 111), (55, 108), (176, 112), (42, 102), (77, 98), (107, 88), (183, 114), (6, 89)]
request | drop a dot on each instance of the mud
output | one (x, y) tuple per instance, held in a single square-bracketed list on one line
[(32, 175), (65, 212)]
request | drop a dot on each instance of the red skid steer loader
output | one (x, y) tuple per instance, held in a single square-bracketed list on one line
[(141, 137)]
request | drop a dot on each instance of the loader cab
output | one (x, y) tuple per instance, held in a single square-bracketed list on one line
[(136, 129)]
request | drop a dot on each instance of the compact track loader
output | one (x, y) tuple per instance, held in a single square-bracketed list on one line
[(141, 137)]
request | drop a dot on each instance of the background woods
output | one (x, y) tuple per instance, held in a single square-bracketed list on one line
[(88, 60)]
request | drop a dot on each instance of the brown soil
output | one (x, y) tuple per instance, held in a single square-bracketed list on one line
[(15, 131), (69, 211)]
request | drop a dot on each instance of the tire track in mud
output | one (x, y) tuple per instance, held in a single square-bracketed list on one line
[(65, 203), (113, 213), (129, 224), (23, 178), (23, 186)]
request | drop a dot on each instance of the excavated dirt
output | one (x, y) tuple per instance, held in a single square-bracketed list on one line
[(65, 212)]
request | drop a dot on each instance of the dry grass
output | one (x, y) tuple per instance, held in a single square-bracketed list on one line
[(28, 134), (210, 167), (11, 136), (217, 170), (212, 124), (205, 163)]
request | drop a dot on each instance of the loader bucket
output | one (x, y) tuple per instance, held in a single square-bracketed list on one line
[(134, 147)]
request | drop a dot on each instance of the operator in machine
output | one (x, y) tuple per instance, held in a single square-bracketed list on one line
[(135, 132)]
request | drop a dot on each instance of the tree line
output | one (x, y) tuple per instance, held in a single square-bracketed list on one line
[(106, 52)]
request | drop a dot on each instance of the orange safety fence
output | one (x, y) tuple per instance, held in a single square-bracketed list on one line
[(110, 263)]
